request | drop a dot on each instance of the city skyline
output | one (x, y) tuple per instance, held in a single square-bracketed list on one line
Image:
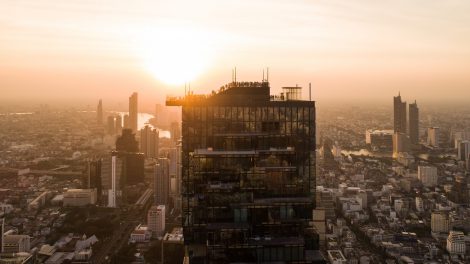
[(349, 51), (341, 136)]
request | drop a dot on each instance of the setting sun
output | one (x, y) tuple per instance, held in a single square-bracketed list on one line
[(173, 55)]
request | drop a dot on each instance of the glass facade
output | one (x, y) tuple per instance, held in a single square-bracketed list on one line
[(248, 176)]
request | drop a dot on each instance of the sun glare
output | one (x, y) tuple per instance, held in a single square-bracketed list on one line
[(174, 55)]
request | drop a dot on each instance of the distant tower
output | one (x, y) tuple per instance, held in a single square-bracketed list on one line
[(99, 113), (113, 191), (414, 123), (162, 181), (118, 125), (175, 131), (133, 112), (93, 177), (433, 137), (149, 142), (399, 114), (111, 127), (126, 122)]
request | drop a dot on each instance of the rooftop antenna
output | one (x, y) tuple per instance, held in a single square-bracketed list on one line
[(267, 74), (185, 88), (232, 75), (310, 91), (235, 74), (263, 75)]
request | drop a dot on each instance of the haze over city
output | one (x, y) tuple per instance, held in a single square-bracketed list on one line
[(74, 52), (234, 132)]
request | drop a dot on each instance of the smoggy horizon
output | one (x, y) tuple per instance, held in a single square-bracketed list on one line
[(364, 52)]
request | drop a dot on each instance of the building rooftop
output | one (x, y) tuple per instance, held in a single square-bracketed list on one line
[(336, 255), (176, 235), (238, 93)]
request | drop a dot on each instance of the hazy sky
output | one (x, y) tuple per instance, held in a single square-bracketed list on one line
[(79, 51)]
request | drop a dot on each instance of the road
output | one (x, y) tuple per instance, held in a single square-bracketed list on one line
[(129, 221)]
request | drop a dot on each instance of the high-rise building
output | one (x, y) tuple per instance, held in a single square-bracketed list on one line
[(401, 143), (133, 112), (414, 123), (399, 114), (93, 177), (162, 182), (156, 220), (111, 174), (248, 169), (110, 125), (433, 137), (127, 148), (118, 124), (125, 122), (149, 139), (175, 131), (427, 175), (99, 113), (459, 193), (440, 222), (456, 243), (463, 150)]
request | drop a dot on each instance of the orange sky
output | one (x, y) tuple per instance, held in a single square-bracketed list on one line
[(79, 51)]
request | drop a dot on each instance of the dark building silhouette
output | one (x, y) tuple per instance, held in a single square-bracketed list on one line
[(248, 175), (149, 138), (399, 114), (127, 142), (133, 112), (414, 123), (93, 177), (459, 192), (118, 124), (99, 113), (125, 122), (110, 125), (162, 182), (127, 148)]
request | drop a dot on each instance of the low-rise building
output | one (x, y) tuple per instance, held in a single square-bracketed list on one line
[(79, 197)]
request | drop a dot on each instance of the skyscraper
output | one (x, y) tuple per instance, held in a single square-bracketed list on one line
[(162, 182), (111, 127), (400, 143), (248, 169), (463, 150), (149, 138), (111, 179), (414, 123), (133, 112), (399, 114), (99, 113), (118, 124), (175, 131), (126, 122), (93, 177), (156, 220), (433, 137), (127, 148)]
